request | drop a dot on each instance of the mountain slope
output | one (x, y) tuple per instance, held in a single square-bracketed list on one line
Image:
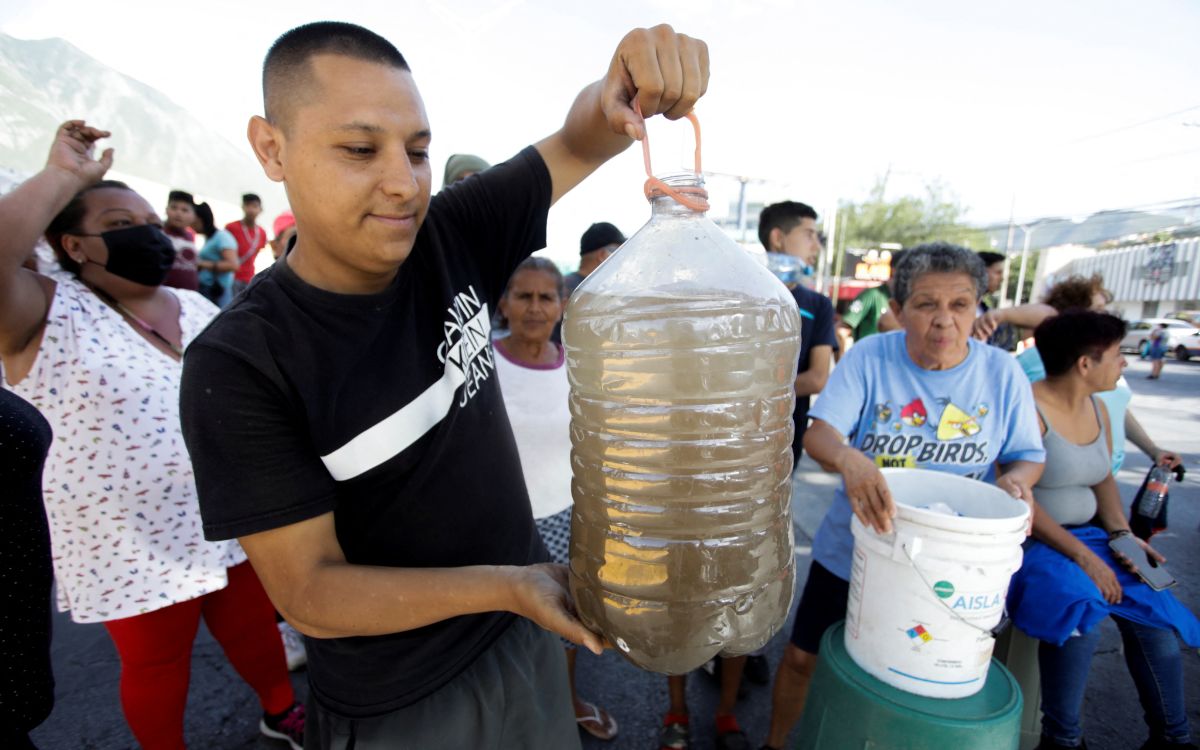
[(44, 82)]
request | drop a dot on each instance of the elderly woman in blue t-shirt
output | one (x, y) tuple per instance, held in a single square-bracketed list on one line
[(926, 396)]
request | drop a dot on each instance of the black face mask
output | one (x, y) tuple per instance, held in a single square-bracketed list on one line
[(142, 254)]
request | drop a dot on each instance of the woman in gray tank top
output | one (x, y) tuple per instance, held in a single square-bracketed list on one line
[(1065, 490), (1070, 580)]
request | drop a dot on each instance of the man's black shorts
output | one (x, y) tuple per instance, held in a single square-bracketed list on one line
[(822, 604)]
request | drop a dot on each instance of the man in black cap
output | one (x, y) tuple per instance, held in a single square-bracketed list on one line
[(597, 243)]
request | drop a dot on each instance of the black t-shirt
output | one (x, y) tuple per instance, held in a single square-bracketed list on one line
[(385, 410), (816, 329)]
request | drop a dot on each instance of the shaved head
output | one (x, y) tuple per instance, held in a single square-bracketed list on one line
[(287, 69)]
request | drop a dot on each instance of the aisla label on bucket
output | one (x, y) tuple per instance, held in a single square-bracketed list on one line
[(977, 604)]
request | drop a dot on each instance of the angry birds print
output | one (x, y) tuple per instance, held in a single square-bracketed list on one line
[(883, 412), (956, 424), (915, 414)]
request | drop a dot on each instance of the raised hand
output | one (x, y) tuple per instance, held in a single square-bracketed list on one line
[(73, 152), (666, 71)]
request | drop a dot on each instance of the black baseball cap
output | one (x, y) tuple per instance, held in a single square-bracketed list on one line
[(599, 235)]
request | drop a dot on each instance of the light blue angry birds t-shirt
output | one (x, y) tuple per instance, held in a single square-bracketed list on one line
[(963, 420)]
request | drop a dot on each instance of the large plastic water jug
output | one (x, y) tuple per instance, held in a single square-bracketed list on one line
[(681, 353)]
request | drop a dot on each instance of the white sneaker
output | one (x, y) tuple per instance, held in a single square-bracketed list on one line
[(293, 647)]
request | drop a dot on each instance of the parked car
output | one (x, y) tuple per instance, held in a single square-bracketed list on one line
[(1187, 316), (1189, 347), (1183, 338)]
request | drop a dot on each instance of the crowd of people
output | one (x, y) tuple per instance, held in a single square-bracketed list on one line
[(224, 263), (347, 449)]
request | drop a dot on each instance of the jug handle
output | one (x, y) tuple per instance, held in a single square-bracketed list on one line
[(694, 198)]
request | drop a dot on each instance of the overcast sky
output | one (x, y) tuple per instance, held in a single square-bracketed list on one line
[(1046, 101)]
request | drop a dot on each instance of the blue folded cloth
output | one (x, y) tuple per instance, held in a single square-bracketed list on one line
[(1051, 597)]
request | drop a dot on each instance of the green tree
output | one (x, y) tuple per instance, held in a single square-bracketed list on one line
[(908, 220)]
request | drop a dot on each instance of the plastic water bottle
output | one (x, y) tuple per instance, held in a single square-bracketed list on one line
[(1151, 500), (681, 353), (786, 268)]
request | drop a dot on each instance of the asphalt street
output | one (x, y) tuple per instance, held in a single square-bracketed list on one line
[(222, 711)]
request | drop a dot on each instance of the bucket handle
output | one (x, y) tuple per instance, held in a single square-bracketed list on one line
[(994, 632)]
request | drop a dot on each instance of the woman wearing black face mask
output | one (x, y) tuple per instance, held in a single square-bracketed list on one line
[(97, 349)]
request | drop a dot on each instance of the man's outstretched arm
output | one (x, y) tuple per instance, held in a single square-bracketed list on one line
[(305, 573), (258, 478)]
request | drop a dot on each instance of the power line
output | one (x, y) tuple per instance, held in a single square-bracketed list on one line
[(1159, 157), (1123, 128)]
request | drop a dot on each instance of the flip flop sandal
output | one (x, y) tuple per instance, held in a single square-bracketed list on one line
[(597, 722)]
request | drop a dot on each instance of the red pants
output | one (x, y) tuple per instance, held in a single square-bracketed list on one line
[(156, 656)]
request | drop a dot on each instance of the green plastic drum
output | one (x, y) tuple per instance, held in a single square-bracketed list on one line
[(848, 709)]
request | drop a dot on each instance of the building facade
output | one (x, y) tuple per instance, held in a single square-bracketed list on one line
[(1147, 281)]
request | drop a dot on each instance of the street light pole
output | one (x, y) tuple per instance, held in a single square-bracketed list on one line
[(1028, 230), (1007, 251), (836, 256), (741, 217), (825, 260)]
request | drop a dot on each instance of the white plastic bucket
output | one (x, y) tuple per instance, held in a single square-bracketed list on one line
[(924, 598)]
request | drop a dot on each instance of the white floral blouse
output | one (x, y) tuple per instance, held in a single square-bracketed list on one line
[(125, 526)]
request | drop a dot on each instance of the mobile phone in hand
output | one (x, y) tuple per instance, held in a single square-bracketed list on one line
[(1156, 576)]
